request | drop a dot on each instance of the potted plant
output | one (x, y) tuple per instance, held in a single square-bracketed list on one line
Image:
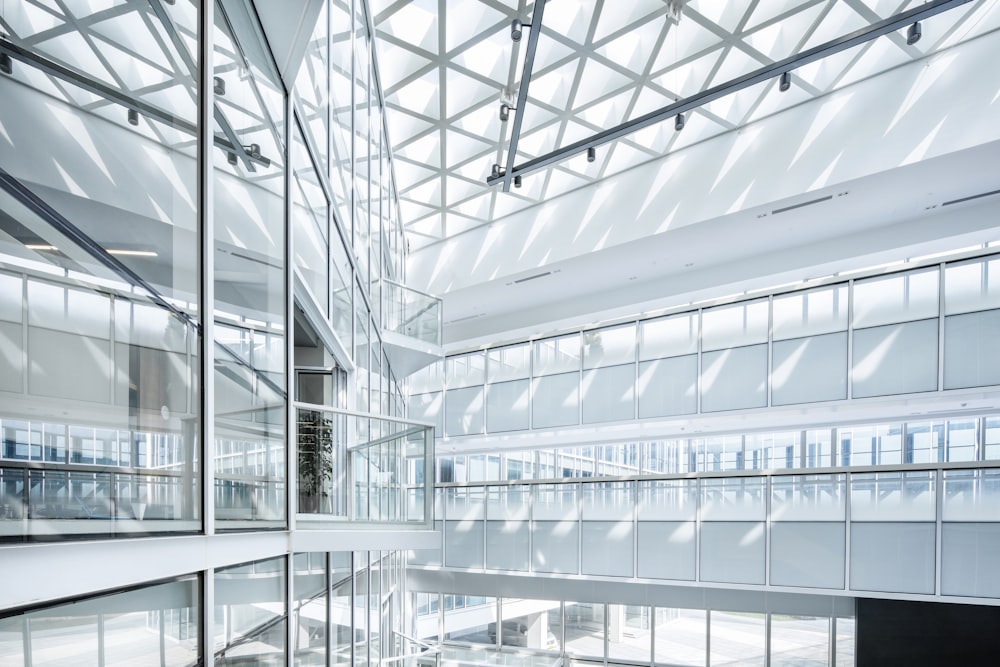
[(315, 447)]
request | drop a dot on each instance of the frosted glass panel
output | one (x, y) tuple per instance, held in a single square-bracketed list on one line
[(611, 501), (971, 495), (740, 324), (900, 297), (972, 286), (557, 355), (971, 349), (609, 394), (892, 557), (806, 370), (668, 336), (733, 499), (69, 311), (668, 500), (10, 297), (555, 400), (463, 411), (465, 504), (557, 502), (427, 408), (809, 313), (427, 379), (807, 554), (427, 556), (732, 552), (607, 548), (969, 559), (734, 379), (507, 545), (510, 503), (465, 370), (896, 359), (668, 386), (463, 544), (555, 546), (507, 406), (609, 347), (808, 498), (509, 363), (54, 356), (11, 364), (893, 496), (667, 550)]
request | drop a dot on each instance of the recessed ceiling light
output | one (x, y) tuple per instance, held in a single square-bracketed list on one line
[(132, 253), (39, 246)]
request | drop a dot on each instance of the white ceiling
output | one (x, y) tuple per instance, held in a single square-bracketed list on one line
[(888, 131)]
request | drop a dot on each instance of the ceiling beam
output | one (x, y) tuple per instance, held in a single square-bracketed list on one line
[(522, 95), (760, 75)]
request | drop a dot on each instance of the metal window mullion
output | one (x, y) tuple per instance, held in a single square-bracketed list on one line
[(206, 621), (850, 339), (939, 476), (848, 492), (290, 610), (206, 307), (291, 423), (940, 349), (700, 344), (770, 346)]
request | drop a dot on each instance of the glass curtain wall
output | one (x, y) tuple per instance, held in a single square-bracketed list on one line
[(921, 330), (99, 271)]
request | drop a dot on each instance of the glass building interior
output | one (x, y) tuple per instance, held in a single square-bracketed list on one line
[(500, 333)]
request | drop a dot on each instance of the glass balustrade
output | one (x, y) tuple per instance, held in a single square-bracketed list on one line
[(411, 312)]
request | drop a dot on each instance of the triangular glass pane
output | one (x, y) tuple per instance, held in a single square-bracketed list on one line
[(568, 20), (615, 16), (597, 81), (634, 49), (689, 78), (410, 172), (396, 63), (881, 55), (415, 23), (420, 96), (553, 87), (726, 15), (780, 40), (550, 50), (426, 150), (683, 41), (26, 20), (404, 126), (464, 91), (838, 22), (73, 50), (768, 10), (464, 21), (460, 147), (428, 194), (607, 113)]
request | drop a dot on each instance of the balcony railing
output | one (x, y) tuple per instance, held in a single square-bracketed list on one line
[(363, 468), (411, 313)]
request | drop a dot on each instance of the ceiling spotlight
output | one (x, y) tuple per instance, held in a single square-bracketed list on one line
[(133, 117), (679, 122), (786, 81), (496, 170), (914, 34), (505, 110), (231, 158), (253, 150), (6, 64), (517, 181), (219, 85), (516, 27), (591, 154)]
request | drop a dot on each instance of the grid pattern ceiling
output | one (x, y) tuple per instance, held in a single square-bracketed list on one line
[(445, 67)]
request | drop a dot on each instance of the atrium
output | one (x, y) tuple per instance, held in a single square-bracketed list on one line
[(499, 332)]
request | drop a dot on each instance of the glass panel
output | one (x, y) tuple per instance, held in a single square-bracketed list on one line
[(250, 613), (893, 496), (971, 286), (629, 636), (609, 347), (681, 637), (799, 640), (971, 495), (310, 229), (900, 297), (459, 609), (526, 624), (668, 336), (733, 499), (466, 370), (585, 630), (557, 355), (818, 311), (249, 277), (737, 638), (309, 616), (103, 258), (743, 323), (808, 498), (510, 363), (150, 625)]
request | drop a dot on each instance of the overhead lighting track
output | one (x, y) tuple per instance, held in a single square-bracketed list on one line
[(506, 174), (774, 70)]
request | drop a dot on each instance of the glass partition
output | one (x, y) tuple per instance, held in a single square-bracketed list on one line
[(411, 313), (362, 467)]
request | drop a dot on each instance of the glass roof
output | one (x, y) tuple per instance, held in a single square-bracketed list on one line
[(445, 67)]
